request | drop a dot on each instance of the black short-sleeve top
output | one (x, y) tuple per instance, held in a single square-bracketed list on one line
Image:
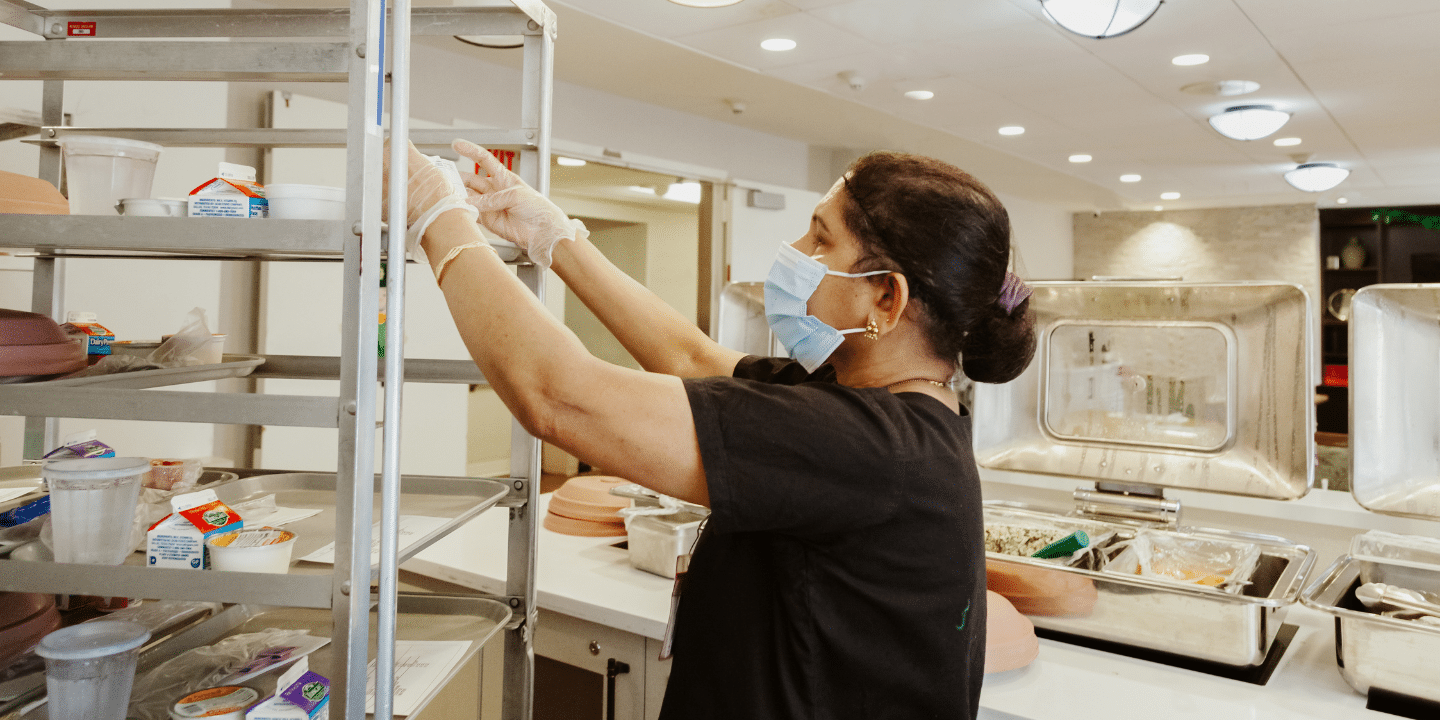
[(842, 571)]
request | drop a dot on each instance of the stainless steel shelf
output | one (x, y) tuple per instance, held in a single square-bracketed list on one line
[(166, 60), (136, 581), (36, 400), (230, 237), (522, 139), (312, 367), (270, 22)]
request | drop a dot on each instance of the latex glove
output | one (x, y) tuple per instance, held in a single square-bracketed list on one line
[(513, 210), (430, 193)]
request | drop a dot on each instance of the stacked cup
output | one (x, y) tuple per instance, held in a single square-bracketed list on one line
[(92, 507)]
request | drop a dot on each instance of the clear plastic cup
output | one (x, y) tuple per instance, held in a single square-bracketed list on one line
[(92, 507), (90, 668), (101, 171)]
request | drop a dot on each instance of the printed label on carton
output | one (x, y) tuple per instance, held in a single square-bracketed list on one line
[(225, 197), (302, 695), (178, 540), (97, 337)]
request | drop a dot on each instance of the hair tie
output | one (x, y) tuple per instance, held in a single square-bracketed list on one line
[(1013, 291)]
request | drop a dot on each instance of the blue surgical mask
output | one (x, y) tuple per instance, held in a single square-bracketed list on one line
[(792, 280)]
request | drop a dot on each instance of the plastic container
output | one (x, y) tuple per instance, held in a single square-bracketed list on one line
[(100, 171), (260, 550), (306, 202), (89, 669), (228, 702), (148, 207), (92, 507)]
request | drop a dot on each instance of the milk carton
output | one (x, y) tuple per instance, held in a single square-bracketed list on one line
[(300, 695), (83, 328), (178, 540), (233, 193)]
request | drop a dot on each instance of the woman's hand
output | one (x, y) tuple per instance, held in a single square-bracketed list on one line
[(513, 210), (429, 193)]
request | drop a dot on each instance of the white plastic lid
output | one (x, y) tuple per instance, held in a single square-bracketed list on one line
[(94, 468), (92, 640), (309, 192), (99, 144)]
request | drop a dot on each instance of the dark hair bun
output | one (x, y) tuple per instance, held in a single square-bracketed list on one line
[(950, 237)]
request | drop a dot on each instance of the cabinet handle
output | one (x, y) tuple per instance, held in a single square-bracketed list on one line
[(613, 668)]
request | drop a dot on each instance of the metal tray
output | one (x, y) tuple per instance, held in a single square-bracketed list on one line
[(306, 585), (232, 366), (1374, 651), (1198, 622), (1394, 396), (1194, 385)]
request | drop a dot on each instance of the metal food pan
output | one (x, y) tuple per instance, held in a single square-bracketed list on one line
[(1198, 622), (1374, 651)]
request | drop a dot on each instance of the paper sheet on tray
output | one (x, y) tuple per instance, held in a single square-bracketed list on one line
[(412, 528), (420, 665), (8, 494)]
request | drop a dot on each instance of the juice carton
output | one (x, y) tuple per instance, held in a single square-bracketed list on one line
[(233, 193), (178, 540), (82, 327), (300, 695)]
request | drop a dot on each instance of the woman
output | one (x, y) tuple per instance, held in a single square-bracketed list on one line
[(841, 572)]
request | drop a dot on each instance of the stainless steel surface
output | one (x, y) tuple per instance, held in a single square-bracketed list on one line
[(172, 60), (217, 236), (1259, 436), (270, 22), (1374, 651), (23, 15), (230, 366), (394, 363), (1189, 620), (288, 137), (416, 369), (1145, 508), (1394, 395), (34, 399)]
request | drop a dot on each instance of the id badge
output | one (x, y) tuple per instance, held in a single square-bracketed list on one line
[(682, 566)]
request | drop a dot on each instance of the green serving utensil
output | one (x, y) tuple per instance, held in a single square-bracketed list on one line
[(1067, 545)]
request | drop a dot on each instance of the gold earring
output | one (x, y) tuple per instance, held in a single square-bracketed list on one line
[(872, 331)]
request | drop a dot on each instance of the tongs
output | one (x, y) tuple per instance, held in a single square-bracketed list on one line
[(1376, 595)]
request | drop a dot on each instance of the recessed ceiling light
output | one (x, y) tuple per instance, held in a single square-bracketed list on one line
[(1158, 208), (641, 189), (778, 44), (1286, 142), (1316, 177), (1129, 178), (1170, 196), (1249, 122), (569, 162), (1012, 130), (1196, 59), (1080, 158), (1342, 201), (705, 3), (919, 94)]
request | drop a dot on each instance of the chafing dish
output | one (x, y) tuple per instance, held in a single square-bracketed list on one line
[(1395, 470), (1140, 387)]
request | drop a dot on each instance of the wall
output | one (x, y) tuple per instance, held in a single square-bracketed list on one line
[(1274, 242)]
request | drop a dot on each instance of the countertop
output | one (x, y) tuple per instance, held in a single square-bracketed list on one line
[(589, 579)]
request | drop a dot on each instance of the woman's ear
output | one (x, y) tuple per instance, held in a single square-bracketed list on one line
[(893, 300)]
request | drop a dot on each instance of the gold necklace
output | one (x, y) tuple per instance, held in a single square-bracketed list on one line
[(902, 382)]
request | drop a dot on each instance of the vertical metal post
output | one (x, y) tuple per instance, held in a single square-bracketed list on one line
[(47, 295), (394, 358), (354, 481), (535, 110)]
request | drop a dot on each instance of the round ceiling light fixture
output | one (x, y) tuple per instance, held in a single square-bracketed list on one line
[(1316, 177), (919, 94), (1130, 178), (1169, 196), (1196, 59), (1080, 158), (1286, 142), (1012, 130), (778, 44), (1342, 200), (1249, 122), (705, 3), (1099, 19)]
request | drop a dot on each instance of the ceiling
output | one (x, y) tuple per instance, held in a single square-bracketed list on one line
[(1362, 79)]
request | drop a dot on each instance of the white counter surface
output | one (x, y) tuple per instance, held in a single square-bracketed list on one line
[(588, 579)]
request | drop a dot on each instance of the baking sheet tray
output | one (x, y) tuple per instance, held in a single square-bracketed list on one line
[(1195, 621), (231, 366)]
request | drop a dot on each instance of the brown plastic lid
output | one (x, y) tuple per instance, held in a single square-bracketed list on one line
[(594, 490), (33, 344), (582, 528), (25, 195)]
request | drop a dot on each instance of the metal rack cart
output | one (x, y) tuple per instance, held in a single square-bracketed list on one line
[(264, 45)]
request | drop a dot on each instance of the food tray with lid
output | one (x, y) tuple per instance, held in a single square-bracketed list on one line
[(1395, 470), (1140, 387)]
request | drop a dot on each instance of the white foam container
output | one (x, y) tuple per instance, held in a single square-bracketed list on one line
[(237, 555), (90, 669), (294, 201), (92, 507), (101, 171)]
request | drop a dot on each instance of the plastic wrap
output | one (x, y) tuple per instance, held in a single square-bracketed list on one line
[(1172, 557), (159, 615), (229, 661), (183, 349), (1410, 550)]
